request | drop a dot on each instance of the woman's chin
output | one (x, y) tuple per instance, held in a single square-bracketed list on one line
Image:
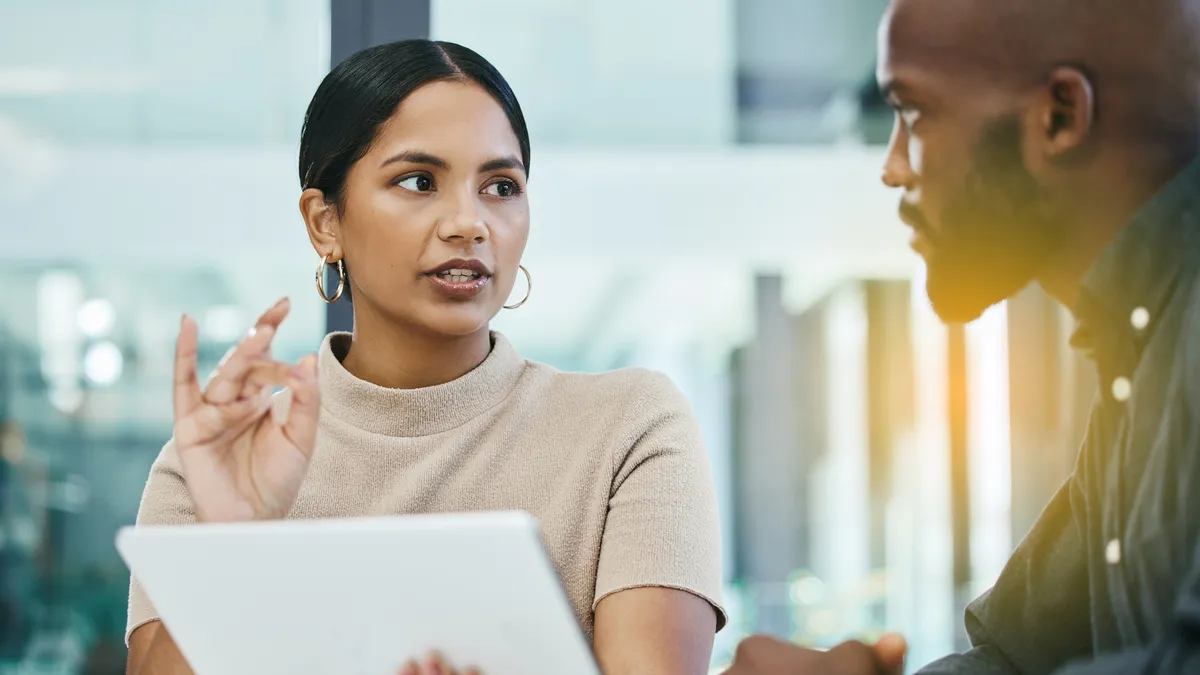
[(466, 319)]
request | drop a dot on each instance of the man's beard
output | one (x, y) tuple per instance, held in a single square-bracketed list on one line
[(996, 232)]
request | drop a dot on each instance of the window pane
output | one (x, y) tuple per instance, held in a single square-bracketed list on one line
[(147, 163)]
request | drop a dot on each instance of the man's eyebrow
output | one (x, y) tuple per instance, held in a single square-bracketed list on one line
[(416, 157)]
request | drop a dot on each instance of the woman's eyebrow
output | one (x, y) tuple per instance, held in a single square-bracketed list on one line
[(509, 162), (416, 157)]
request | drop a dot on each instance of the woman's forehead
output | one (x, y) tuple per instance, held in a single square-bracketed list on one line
[(449, 117)]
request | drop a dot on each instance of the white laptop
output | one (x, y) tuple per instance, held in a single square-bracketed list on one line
[(360, 596)]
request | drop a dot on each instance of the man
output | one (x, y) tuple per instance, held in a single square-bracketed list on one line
[(1056, 141)]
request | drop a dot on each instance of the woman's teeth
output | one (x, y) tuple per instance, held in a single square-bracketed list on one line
[(458, 276)]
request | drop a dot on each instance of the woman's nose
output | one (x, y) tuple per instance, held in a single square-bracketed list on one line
[(466, 223)]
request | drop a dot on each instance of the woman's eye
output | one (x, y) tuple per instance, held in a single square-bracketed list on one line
[(418, 183), (503, 189)]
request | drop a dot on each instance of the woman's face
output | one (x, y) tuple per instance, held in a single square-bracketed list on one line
[(435, 216)]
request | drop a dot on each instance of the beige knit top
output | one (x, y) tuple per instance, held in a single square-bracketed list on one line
[(612, 465)]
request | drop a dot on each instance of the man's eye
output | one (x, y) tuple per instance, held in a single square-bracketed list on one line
[(418, 183), (503, 189)]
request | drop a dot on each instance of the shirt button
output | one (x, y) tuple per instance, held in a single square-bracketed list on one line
[(1112, 552), (1140, 318), (1122, 389)]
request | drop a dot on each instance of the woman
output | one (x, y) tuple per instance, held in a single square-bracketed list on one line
[(414, 160)]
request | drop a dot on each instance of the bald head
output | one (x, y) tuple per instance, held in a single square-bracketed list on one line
[(1142, 57)]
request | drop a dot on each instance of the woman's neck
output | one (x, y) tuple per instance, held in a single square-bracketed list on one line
[(399, 357)]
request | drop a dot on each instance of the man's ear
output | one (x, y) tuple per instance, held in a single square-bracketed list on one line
[(321, 219), (1062, 116)]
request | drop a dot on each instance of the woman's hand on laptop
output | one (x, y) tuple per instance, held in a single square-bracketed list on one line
[(434, 664), (239, 461)]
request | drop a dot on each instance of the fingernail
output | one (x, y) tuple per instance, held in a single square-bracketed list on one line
[(250, 333), (281, 302), (409, 668)]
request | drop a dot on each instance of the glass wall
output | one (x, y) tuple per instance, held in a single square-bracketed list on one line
[(625, 73), (147, 155)]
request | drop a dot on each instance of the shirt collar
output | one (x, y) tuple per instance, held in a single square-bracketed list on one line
[(1128, 286)]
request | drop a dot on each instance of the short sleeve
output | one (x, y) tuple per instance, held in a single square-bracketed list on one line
[(165, 501), (662, 528)]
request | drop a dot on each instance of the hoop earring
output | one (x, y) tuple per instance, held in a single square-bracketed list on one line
[(528, 288), (341, 269)]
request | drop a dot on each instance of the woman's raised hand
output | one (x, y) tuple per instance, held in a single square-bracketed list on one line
[(241, 462)]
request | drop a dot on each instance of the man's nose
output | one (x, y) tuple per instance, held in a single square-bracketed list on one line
[(897, 169)]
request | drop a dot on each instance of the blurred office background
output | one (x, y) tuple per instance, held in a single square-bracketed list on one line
[(705, 202)]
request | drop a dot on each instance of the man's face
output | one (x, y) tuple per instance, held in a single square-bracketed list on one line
[(980, 219)]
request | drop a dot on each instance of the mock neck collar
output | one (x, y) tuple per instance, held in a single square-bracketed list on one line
[(415, 412)]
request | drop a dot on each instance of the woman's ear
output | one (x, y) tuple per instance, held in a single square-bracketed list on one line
[(321, 219)]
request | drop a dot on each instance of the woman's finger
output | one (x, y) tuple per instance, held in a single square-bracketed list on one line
[(275, 314), (209, 423), (435, 665), (226, 384), (265, 374), (304, 409), (186, 391), (256, 396)]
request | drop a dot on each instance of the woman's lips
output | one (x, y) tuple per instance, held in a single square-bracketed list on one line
[(459, 284)]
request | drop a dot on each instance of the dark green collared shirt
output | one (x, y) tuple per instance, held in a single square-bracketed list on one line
[(1108, 580)]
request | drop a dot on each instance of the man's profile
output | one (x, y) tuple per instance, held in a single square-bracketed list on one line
[(1057, 142)]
